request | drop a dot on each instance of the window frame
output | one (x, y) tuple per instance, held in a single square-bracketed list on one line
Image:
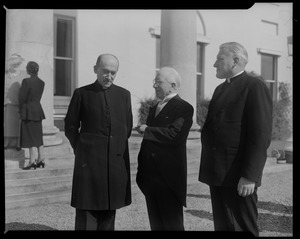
[(274, 81), (61, 102)]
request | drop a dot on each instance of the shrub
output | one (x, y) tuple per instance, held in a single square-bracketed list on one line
[(202, 109), (143, 111), (282, 111), (282, 114), (146, 103), (254, 74)]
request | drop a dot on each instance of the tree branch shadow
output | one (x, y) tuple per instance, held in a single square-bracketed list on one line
[(20, 226), (275, 207), (279, 217), (271, 221), (200, 214), (198, 195)]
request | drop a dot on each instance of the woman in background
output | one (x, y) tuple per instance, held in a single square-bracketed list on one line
[(32, 114)]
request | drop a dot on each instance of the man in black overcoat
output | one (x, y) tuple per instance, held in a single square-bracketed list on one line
[(235, 138), (98, 124), (162, 160)]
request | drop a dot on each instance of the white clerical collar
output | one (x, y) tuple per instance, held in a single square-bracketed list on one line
[(228, 80)]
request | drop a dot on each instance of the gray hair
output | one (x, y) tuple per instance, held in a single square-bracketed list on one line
[(237, 49), (173, 76)]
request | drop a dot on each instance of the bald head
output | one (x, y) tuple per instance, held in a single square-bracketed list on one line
[(106, 68), (107, 58)]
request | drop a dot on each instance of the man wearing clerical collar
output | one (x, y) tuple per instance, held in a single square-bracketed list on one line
[(234, 141)]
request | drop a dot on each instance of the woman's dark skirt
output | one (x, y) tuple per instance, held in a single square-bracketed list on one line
[(31, 134)]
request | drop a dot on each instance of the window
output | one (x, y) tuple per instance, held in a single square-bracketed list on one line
[(199, 67), (157, 39), (269, 73), (64, 57), (200, 64), (64, 64)]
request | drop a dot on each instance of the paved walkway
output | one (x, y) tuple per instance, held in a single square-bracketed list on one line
[(275, 200)]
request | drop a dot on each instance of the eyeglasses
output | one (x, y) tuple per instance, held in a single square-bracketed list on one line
[(159, 83)]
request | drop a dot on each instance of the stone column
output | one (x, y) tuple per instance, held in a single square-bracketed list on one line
[(29, 37), (178, 50)]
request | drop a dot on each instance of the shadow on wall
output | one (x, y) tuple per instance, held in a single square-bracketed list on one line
[(15, 72), (12, 117)]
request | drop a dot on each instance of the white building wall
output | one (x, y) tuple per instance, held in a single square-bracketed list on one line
[(247, 28), (125, 33), (33, 44)]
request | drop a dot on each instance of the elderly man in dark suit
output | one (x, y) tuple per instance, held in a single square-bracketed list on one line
[(98, 124), (162, 160), (235, 138)]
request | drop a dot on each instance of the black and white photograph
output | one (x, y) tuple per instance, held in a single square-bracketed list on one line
[(149, 120)]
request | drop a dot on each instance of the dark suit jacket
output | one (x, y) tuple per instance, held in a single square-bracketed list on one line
[(163, 149), (237, 133), (98, 124), (30, 95)]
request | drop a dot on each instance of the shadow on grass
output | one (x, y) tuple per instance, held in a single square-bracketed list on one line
[(278, 218), (200, 214), (19, 226), (198, 196)]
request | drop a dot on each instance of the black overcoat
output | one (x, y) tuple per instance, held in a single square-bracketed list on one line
[(163, 149), (98, 124), (237, 133)]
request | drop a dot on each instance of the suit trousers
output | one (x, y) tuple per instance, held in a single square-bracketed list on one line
[(165, 212), (92, 220), (232, 212)]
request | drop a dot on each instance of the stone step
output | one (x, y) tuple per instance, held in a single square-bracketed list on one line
[(37, 198), (22, 177), (35, 187), (18, 187), (54, 182), (56, 188), (38, 173)]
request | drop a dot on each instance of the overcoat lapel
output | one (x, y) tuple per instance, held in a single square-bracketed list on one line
[(151, 114), (163, 113)]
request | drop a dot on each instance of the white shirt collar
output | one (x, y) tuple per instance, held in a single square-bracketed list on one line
[(167, 98)]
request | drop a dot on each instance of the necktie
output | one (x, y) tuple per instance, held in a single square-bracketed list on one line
[(161, 105), (158, 108)]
